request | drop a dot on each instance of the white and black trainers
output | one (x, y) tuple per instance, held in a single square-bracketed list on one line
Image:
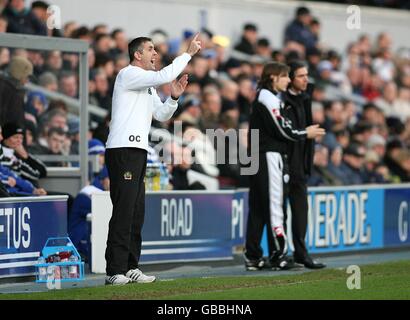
[(136, 275), (117, 280)]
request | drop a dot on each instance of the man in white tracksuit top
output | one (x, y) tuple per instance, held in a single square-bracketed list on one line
[(135, 102)]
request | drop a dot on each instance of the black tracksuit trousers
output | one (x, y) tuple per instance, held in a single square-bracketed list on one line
[(126, 170), (299, 205), (267, 192)]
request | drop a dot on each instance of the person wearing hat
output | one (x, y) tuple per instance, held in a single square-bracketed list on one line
[(352, 165), (12, 92), (13, 182), (78, 220), (16, 157), (96, 147)]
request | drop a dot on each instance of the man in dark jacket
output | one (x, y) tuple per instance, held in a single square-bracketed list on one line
[(249, 38), (12, 91), (298, 30), (299, 110), (22, 20)]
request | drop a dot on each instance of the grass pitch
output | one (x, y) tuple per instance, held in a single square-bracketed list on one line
[(378, 281)]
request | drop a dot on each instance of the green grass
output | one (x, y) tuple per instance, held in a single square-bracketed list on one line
[(378, 281)]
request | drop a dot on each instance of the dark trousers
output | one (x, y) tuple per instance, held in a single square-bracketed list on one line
[(261, 195), (299, 207), (126, 170)]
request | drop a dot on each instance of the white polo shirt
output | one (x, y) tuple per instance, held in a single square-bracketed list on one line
[(135, 101)]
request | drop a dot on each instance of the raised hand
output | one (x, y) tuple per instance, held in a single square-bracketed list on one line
[(194, 46), (178, 86)]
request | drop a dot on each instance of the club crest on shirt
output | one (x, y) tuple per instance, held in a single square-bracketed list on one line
[(149, 91), (128, 175), (276, 112)]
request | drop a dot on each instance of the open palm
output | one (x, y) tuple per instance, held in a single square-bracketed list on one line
[(178, 87)]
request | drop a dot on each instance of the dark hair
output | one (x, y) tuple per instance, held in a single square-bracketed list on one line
[(115, 32), (136, 45), (39, 4), (250, 27), (80, 32), (100, 36), (271, 69), (295, 65), (301, 11), (57, 130), (263, 42)]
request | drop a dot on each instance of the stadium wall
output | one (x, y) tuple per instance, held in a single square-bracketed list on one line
[(226, 17), (25, 225), (198, 225)]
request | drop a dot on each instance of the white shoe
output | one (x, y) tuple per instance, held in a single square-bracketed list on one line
[(117, 280), (136, 275)]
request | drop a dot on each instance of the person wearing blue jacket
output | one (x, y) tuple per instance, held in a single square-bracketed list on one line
[(78, 226)]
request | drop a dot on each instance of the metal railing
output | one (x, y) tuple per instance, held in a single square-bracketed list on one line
[(80, 47)]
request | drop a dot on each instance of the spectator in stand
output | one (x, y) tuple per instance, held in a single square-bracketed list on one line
[(200, 70), (106, 64), (4, 58), (321, 175), (352, 165), (120, 42), (103, 43), (313, 56), (78, 220), (373, 114), (12, 92), (100, 28), (68, 84), (54, 62), (377, 144), (15, 185), (82, 33), (180, 158), (48, 81), (22, 20), (36, 104), (160, 40), (247, 93), (389, 98), (3, 23), (16, 157), (335, 115), (248, 40), (211, 108), (69, 28), (102, 90), (371, 161), (189, 110), (39, 9), (315, 27), (334, 165), (383, 65), (55, 146), (263, 48), (298, 31), (393, 149), (229, 91)]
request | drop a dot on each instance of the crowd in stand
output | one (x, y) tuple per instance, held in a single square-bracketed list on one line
[(361, 96)]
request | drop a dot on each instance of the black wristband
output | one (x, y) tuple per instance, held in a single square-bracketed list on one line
[(173, 98)]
